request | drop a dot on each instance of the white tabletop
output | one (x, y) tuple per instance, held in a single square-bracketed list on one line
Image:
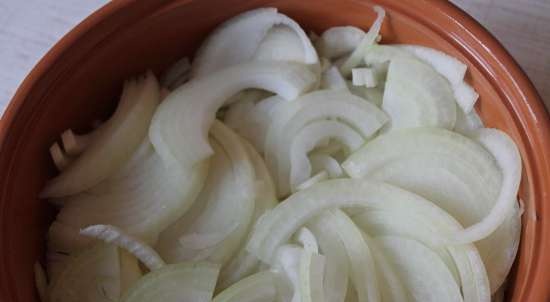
[(28, 28)]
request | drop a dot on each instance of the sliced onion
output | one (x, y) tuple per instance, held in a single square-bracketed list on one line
[(76, 144), (112, 234), (426, 278), (451, 170), (312, 269), (281, 43), (507, 156), (119, 137), (463, 261), (306, 238), (228, 209), (337, 265), (91, 276), (244, 264), (286, 263), (319, 177), (305, 141), (339, 40), (364, 77), (277, 225), (176, 282), (237, 39), (143, 199), (331, 78), (258, 287), (449, 67), (368, 39), (415, 95), (361, 262), (291, 118), (186, 115), (320, 161), (60, 159), (391, 287)]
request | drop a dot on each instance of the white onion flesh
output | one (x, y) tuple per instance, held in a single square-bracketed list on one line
[(216, 231), (136, 247), (176, 282), (188, 112), (426, 101), (368, 39), (258, 287), (236, 41), (120, 136), (339, 40), (91, 276), (427, 278)]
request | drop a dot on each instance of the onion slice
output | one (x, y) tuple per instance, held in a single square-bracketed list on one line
[(119, 137), (111, 234), (176, 282), (258, 287), (237, 39), (185, 116)]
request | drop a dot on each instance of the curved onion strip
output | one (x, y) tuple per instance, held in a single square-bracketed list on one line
[(426, 100), (391, 287), (119, 137), (93, 275), (289, 119), (337, 265), (317, 178), (111, 234), (338, 41), (368, 39), (449, 67), (257, 287), (236, 40), (463, 261), (217, 231), (244, 264), (277, 225), (320, 161), (305, 238), (426, 278), (60, 159), (361, 262), (176, 282), (75, 144), (506, 154), (187, 113), (281, 43), (312, 269), (286, 263), (454, 172), (333, 79), (294, 164), (143, 201)]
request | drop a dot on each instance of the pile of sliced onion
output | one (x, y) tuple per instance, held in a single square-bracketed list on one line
[(277, 168)]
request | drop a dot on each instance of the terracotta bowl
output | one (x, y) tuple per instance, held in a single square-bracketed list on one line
[(77, 81)]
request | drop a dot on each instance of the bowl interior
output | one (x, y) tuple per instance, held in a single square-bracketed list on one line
[(79, 81)]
